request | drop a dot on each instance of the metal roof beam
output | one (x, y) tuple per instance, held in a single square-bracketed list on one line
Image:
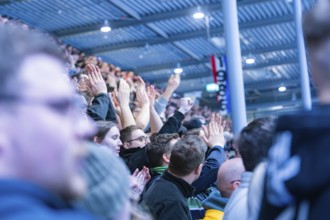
[(185, 36), (207, 59), (148, 19), (164, 77)]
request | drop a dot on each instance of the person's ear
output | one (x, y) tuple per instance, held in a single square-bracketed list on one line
[(236, 184), (96, 140), (198, 169), (166, 158), (126, 145)]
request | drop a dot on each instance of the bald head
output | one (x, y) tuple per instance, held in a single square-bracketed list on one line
[(229, 176)]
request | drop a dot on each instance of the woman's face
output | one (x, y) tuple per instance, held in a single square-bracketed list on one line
[(112, 140)]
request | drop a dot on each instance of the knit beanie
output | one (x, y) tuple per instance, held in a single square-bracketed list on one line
[(108, 183)]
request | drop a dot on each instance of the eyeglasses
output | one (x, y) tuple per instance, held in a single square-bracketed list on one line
[(141, 139)]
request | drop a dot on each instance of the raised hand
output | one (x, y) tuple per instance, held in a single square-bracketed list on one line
[(151, 92), (123, 94), (95, 81), (214, 131), (139, 180), (115, 103), (174, 81), (172, 84), (185, 105)]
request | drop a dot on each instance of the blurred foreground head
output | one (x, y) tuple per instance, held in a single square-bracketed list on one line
[(316, 25), (41, 133)]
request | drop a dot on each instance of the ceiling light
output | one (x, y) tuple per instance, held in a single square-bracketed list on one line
[(105, 28), (219, 42), (198, 14), (250, 60), (282, 88), (178, 70)]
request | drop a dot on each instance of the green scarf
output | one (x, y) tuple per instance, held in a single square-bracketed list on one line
[(159, 170)]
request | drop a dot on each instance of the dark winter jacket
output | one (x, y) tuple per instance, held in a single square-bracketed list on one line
[(22, 200), (102, 109), (297, 176), (167, 198)]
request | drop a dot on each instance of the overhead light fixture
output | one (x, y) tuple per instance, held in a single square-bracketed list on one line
[(105, 27), (282, 88), (178, 69), (219, 42), (198, 14), (250, 60)]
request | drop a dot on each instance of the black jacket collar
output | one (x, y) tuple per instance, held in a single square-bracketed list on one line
[(183, 186)]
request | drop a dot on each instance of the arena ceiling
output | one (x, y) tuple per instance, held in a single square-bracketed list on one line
[(152, 37)]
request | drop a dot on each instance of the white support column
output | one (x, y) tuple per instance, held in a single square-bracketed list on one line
[(305, 88), (235, 73)]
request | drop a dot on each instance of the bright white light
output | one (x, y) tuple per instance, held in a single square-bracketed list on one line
[(274, 108), (212, 87), (282, 88), (105, 29), (198, 15), (178, 70), (250, 61)]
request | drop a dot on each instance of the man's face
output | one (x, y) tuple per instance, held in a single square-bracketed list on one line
[(138, 139), (46, 133)]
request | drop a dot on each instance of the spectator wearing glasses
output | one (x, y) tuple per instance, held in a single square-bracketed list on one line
[(133, 150), (253, 144), (134, 139), (42, 134)]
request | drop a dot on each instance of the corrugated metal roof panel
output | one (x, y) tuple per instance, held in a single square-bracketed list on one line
[(116, 36), (60, 14), (149, 7), (267, 36), (188, 72), (148, 56), (202, 47)]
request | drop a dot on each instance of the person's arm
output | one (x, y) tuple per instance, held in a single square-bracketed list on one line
[(111, 113), (126, 116), (143, 118), (96, 85), (155, 121), (216, 140), (99, 107), (172, 85), (173, 124)]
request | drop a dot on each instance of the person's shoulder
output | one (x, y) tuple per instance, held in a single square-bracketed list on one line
[(318, 117), (162, 189), (40, 211)]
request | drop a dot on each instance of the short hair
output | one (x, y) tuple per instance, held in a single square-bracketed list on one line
[(255, 140), (103, 127), (186, 155), (126, 133), (16, 45), (159, 146)]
